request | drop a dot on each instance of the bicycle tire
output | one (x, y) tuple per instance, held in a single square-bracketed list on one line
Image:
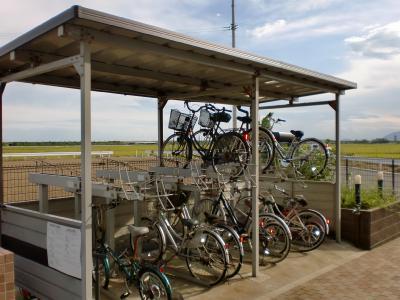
[(155, 238), (181, 151), (267, 148), (308, 234), (274, 239), (203, 141), (234, 247), (229, 154), (104, 271), (219, 259), (158, 288), (298, 158)]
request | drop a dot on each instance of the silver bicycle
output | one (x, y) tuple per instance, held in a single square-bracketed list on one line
[(202, 248)]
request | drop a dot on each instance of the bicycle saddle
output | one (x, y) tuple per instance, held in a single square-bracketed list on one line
[(297, 133), (267, 201), (284, 137), (137, 231), (300, 200), (220, 117), (244, 119), (210, 218), (190, 223)]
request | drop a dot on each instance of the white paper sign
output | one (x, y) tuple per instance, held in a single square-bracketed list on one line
[(64, 249)]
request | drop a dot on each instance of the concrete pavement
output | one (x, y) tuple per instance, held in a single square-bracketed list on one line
[(334, 271)]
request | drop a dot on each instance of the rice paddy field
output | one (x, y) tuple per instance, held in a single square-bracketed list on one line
[(119, 150), (390, 150)]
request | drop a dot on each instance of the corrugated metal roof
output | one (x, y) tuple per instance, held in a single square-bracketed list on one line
[(133, 58)]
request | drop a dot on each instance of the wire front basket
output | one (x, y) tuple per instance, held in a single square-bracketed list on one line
[(205, 119), (180, 121)]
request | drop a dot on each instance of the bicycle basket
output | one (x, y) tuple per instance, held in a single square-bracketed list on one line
[(221, 117), (205, 119), (180, 121)]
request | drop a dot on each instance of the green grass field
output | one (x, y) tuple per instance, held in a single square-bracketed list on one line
[(119, 150), (372, 150), (367, 150)]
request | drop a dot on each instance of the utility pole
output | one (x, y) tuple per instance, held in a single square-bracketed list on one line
[(233, 29)]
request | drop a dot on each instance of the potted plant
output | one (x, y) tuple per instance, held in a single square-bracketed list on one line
[(376, 222)]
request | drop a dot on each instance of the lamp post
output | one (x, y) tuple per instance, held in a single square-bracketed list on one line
[(380, 183), (357, 190)]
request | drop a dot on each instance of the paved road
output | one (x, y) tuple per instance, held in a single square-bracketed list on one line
[(374, 275)]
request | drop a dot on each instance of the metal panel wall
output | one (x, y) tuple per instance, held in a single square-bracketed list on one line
[(25, 233)]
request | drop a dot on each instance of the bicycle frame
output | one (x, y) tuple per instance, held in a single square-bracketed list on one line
[(223, 203)]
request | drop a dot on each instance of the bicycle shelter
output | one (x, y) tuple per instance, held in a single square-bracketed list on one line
[(90, 50)]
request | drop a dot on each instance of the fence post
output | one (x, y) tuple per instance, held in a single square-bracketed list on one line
[(347, 172), (393, 178)]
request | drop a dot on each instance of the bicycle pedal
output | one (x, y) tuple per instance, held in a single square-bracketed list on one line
[(124, 295)]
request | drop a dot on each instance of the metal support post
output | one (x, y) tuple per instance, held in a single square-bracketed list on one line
[(86, 170), (393, 178), (347, 172), (77, 206), (338, 179), (2, 88), (233, 28), (161, 104), (110, 228), (43, 198), (255, 178)]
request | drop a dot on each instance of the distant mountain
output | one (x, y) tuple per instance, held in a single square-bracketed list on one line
[(394, 136)]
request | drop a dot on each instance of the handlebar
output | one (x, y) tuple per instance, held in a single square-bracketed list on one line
[(207, 106), (242, 110)]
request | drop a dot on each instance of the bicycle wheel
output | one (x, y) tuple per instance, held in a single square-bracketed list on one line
[(176, 151), (307, 231), (154, 285), (206, 257), (274, 239), (309, 157), (229, 154), (203, 140), (104, 271), (266, 148), (234, 247), (153, 244)]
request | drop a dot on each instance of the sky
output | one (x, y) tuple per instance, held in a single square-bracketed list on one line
[(358, 40)]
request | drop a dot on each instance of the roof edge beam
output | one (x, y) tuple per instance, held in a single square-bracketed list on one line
[(298, 81), (42, 69), (206, 93), (316, 103)]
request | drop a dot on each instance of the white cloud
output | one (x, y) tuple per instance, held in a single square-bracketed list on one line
[(320, 25), (378, 42)]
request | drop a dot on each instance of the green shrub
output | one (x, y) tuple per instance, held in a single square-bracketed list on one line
[(370, 198)]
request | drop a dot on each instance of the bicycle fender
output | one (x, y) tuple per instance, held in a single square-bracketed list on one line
[(322, 217), (281, 221)]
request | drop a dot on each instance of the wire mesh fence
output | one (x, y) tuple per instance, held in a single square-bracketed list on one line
[(18, 188), (368, 169)]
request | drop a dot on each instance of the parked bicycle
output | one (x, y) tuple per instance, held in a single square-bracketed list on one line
[(147, 278), (230, 237), (225, 151), (274, 234), (203, 249), (308, 157), (309, 227)]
